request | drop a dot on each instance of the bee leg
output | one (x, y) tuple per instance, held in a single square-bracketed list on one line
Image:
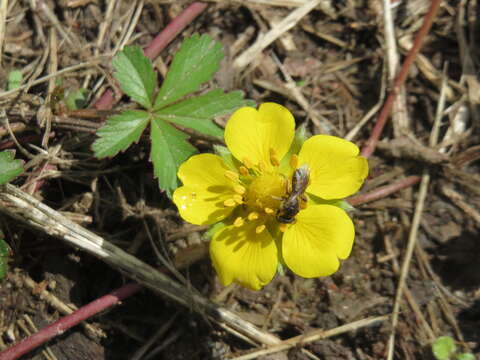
[(303, 202)]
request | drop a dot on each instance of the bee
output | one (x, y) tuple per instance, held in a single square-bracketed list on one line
[(290, 205)]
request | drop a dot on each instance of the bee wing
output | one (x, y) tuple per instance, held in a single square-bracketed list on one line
[(300, 179)]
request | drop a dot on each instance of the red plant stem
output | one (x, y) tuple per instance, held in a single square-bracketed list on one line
[(383, 191), (23, 140), (158, 44), (67, 322), (173, 29), (369, 147)]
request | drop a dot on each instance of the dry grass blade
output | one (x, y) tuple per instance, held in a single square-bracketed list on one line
[(400, 119), (3, 21), (313, 336), (264, 40)]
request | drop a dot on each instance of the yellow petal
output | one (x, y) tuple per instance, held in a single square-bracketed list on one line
[(321, 235), (336, 169), (242, 256), (201, 200), (251, 133)]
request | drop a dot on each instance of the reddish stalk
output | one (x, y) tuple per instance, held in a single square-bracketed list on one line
[(383, 191), (28, 139), (67, 322), (369, 147), (158, 44)]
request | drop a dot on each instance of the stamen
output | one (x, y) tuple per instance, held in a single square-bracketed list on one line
[(238, 222), (283, 227), (262, 167), (229, 203), (247, 162), (259, 229), (239, 189), (268, 211), (253, 216), (238, 198), (243, 170), (289, 185), (294, 161), (231, 175), (274, 158)]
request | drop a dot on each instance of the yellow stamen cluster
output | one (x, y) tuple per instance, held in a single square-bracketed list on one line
[(238, 222), (231, 175), (252, 216), (243, 170), (294, 161), (274, 158), (260, 228), (238, 199), (229, 203), (239, 189), (260, 189)]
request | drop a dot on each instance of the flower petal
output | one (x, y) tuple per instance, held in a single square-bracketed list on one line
[(251, 133), (200, 200), (336, 169), (321, 235), (240, 255)]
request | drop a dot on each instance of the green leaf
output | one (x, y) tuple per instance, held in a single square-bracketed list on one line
[(194, 64), (197, 112), (14, 79), (443, 348), (212, 230), (119, 132), (134, 72), (344, 205), (169, 150), (77, 99), (9, 167), (300, 136), (466, 356), (227, 156), (4, 255)]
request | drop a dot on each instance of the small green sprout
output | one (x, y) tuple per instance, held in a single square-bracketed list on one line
[(444, 348), (9, 169), (77, 99), (14, 79), (193, 65), (4, 255)]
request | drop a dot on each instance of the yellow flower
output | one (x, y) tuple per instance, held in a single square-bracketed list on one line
[(247, 192)]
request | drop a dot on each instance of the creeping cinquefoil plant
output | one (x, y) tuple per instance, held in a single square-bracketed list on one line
[(276, 200)]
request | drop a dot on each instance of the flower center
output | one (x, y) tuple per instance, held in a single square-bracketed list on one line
[(265, 192)]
